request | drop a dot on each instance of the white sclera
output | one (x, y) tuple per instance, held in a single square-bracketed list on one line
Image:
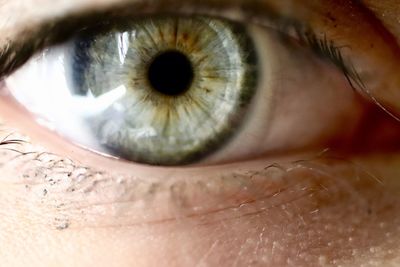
[(301, 100), (42, 87)]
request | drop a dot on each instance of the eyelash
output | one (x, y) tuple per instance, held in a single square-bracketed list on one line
[(328, 49), (15, 55), (323, 47)]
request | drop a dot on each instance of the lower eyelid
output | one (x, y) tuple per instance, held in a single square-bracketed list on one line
[(66, 194), (69, 193)]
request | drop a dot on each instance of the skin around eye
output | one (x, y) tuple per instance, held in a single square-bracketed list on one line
[(319, 209)]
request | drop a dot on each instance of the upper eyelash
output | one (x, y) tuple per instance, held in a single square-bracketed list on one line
[(13, 55), (327, 48), (323, 47)]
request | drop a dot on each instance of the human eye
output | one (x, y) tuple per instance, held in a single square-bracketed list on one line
[(281, 133), (178, 88)]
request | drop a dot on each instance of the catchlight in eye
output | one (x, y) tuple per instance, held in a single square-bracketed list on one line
[(163, 90), (176, 90)]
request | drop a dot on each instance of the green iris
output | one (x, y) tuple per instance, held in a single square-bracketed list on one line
[(187, 83)]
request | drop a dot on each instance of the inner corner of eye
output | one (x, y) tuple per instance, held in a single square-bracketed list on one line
[(166, 90)]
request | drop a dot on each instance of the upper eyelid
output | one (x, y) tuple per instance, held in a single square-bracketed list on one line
[(14, 52), (23, 42), (18, 44), (32, 37)]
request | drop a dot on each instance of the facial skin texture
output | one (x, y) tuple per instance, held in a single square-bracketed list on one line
[(64, 206)]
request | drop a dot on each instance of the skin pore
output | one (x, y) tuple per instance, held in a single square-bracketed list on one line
[(62, 205)]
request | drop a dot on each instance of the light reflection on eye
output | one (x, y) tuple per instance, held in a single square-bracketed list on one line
[(243, 91)]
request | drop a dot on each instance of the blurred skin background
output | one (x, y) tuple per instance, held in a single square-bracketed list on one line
[(318, 187)]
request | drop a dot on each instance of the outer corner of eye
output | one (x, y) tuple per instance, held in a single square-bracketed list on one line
[(161, 91)]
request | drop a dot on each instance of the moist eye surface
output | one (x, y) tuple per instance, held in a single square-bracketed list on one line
[(183, 86)]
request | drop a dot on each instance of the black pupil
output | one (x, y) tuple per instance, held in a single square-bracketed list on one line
[(171, 73)]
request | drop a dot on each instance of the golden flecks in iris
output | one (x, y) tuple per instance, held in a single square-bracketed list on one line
[(151, 127)]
